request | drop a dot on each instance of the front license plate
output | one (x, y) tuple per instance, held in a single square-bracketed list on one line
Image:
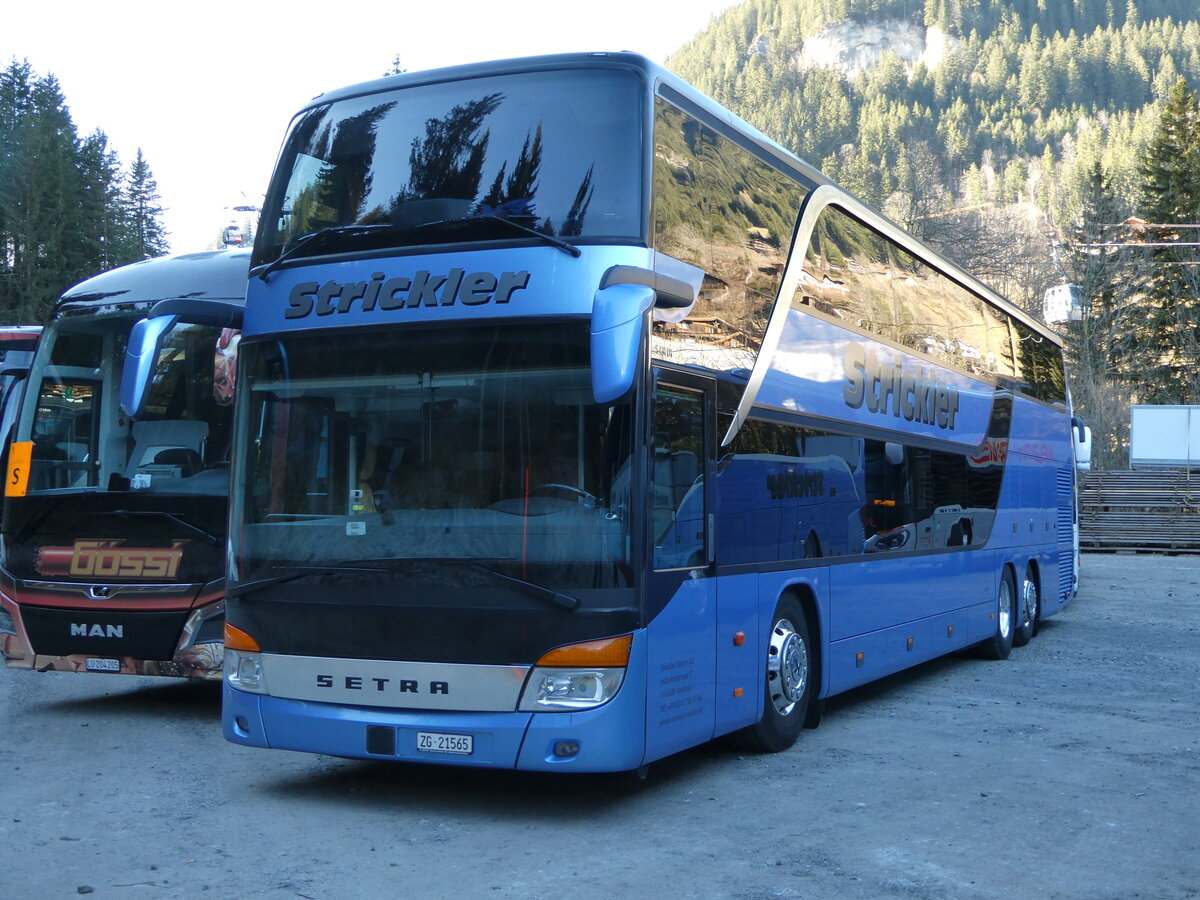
[(96, 664), (438, 742)]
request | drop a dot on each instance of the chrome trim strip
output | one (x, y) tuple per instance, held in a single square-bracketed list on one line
[(101, 591), (394, 684)]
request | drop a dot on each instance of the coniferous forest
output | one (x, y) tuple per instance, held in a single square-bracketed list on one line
[(1035, 143), (68, 209)]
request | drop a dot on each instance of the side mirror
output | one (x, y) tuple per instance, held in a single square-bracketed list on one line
[(146, 339), (1081, 439), (141, 358), (618, 312)]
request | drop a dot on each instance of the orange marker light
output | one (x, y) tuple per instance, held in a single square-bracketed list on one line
[(236, 639), (739, 638), (737, 692), (605, 652)]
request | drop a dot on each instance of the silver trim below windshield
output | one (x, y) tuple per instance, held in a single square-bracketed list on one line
[(394, 684)]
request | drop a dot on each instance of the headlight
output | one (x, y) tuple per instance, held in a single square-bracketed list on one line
[(577, 676), (553, 689), (244, 671)]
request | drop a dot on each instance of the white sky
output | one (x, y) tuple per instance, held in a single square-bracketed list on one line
[(207, 92)]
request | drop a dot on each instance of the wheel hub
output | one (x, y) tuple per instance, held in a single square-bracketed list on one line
[(1029, 598), (787, 667)]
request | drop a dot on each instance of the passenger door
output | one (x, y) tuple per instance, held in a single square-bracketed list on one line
[(681, 596)]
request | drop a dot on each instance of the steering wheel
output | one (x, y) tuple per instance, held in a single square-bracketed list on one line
[(582, 497)]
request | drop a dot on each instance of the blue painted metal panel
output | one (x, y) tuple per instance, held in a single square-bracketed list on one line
[(740, 667), (342, 730), (680, 670), (880, 593), (466, 285)]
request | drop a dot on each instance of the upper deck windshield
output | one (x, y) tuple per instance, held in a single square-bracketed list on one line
[(477, 447), (558, 152)]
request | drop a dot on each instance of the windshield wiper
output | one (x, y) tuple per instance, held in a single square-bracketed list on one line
[(292, 574), (394, 563), (317, 237), (158, 513), (566, 601), (566, 247)]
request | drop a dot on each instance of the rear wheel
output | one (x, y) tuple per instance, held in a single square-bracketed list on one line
[(1000, 644), (1030, 608), (787, 686)]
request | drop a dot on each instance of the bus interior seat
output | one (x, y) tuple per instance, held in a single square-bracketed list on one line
[(152, 438)]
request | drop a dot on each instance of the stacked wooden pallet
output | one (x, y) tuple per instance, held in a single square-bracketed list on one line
[(1149, 510)]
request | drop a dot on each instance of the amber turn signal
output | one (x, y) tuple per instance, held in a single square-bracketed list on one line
[(236, 639), (602, 653)]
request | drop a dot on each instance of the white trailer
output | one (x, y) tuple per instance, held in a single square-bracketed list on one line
[(1164, 436)]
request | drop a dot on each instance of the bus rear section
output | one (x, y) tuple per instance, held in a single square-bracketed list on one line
[(114, 526)]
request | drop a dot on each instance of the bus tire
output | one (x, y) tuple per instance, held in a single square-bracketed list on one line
[(1030, 607), (787, 683), (1000, 644)]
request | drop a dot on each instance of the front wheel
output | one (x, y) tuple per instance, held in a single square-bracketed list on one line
[(787, 685), (1000, 644)]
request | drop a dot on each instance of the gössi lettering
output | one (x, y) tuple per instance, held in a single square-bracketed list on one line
[(422, 289), (110, 559), (885, 385)]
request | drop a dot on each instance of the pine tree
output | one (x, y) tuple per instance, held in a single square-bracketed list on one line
[(1160, 331), (101, 227), (144, 212), (39, 187), (396, 68)]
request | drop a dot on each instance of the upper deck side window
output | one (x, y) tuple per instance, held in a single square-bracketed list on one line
[(724, 209), (858, 277)]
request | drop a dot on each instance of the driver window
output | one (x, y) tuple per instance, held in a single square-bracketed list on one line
[(677, 486)]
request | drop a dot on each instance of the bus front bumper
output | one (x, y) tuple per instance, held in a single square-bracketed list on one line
[(610, 738)]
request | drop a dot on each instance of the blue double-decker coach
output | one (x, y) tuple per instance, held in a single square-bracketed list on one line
[(580, 423)]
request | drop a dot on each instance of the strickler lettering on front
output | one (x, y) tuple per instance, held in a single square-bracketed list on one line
[(424, 288)]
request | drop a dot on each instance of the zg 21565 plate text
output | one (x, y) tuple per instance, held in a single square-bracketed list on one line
[(439, 742)]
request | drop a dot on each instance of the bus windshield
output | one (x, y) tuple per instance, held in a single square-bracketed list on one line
[(554, 152), (180, 445), (480, 446)]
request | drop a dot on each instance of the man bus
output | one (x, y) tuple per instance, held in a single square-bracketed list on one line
[(580, 424), (114, 526)]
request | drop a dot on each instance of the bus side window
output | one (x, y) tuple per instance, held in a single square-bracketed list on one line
[(677, 492)]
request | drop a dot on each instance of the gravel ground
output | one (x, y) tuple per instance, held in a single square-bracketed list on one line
[(1071, 770)]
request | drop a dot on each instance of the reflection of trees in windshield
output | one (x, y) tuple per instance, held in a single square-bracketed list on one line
[(461, 157), (514, 198), (347, 147), (448, 161), (573, 225)]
